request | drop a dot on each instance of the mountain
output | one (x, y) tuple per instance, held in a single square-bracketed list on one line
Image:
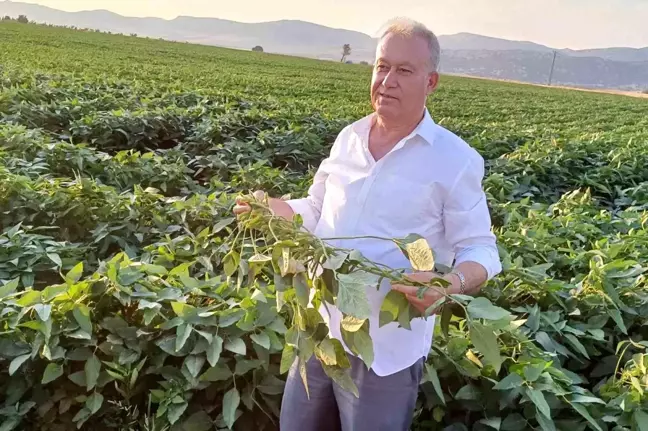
[(462, 53), (469, 41)]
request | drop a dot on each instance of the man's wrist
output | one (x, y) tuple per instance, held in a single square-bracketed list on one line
[(457, 281)]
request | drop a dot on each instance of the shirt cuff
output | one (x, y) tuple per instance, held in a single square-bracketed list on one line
[(304, 208), (487, 256)]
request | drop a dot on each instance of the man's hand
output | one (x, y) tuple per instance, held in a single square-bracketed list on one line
[(277, 206), (475, 275), (243, 207), (431, 295)]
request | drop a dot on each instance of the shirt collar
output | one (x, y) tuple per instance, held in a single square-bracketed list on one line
[(424, 129)]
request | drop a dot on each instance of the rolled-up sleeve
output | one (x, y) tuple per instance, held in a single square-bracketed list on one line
[(467, 220), (310, 207)]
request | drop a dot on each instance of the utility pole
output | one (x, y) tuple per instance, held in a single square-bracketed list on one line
[(553, 63)]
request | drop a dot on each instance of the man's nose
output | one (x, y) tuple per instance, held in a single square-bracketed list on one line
[(390, 79)]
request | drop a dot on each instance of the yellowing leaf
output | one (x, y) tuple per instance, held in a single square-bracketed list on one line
[(352, 324), (420, 255)]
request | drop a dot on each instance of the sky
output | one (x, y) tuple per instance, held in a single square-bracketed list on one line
[(576, 24)]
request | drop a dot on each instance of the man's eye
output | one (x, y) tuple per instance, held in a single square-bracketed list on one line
[(405, 71), (382, 67)]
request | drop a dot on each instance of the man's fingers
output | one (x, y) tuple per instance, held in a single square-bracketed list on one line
[(240, 209), (417, 303), (408, 290)]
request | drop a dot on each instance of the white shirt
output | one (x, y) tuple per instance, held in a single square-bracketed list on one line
[(429, 184)]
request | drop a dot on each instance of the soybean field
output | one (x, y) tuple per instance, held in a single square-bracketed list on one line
[(132, 299)]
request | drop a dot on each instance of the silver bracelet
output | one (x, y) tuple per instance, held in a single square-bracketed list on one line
[(462, 281)]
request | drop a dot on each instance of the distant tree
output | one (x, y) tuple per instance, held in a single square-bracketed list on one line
[(23, 19), (133, 34), (349, 62), (257, 48), (365, 63), (6, 18), (346, 51)]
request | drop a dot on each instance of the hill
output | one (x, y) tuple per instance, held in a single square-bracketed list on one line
[(463, 53)]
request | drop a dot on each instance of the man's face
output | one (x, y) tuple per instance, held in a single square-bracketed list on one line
[(402, 77)]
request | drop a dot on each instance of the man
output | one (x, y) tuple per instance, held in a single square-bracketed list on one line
[(392, 173)]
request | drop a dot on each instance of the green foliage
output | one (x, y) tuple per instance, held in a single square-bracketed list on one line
[(131, 299)]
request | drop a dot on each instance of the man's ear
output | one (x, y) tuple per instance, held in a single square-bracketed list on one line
[(433, 82)]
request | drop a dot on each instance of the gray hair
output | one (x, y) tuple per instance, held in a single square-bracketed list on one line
[(408, 27)]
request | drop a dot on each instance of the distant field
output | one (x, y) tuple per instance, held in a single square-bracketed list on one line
[(112, 144)]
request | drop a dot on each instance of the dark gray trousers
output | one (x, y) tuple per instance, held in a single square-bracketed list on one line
[(385, 404)]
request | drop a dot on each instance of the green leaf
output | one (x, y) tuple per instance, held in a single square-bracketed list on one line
[(245, 365), (199, 421), (616, 315), (363, 343), (94, 402), (231, 263), (342, 378), (81, 314), (214, 350), (29, 298), (468, 392), (10, 423), (175, 411), (92, 368), (352, 297), (223, 224), (236, 345), (537, 398), (514, 422), (485, 340), (391, 307), (78, 378), (217, 373), (586, 400), (17, 362), (533, 372), (641, 419), (43, 311), (231, 402), (584, 413), (420, 255), (55, 258), (182, 335), (334, 262), (261, 339), (495, 423), (74, 275), (511, 381), (432, 376), (545, 422), (482, 308), (194, 364), (577, 344), (288, 356), (182, 310), (52, 372), (301, 289), (9, 288)]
